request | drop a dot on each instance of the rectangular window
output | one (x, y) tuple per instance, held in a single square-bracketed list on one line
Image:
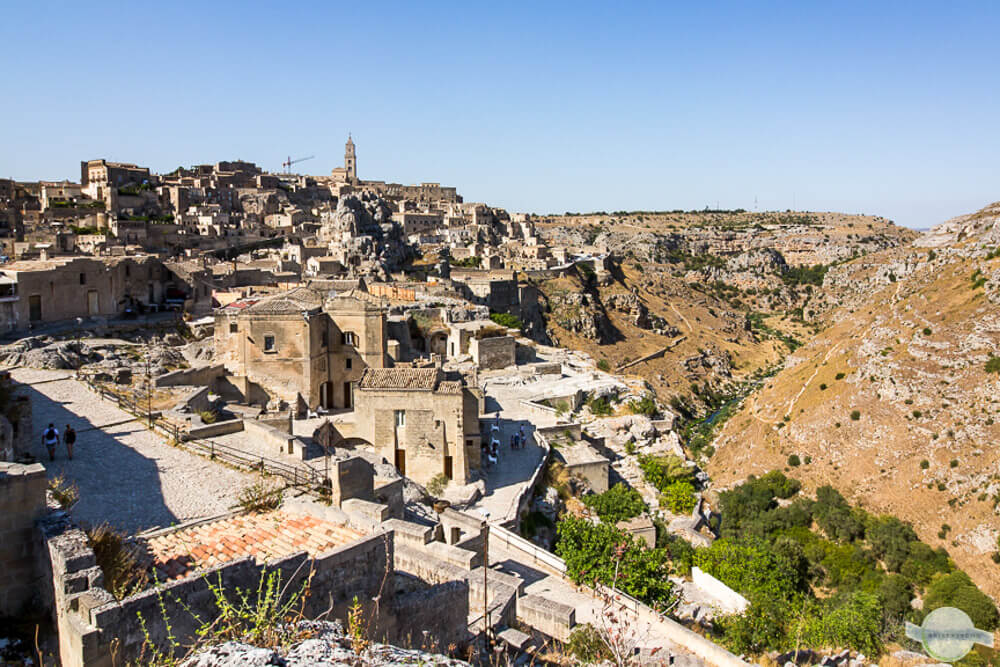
[(269, 343), (400, 418), (233, 327), (347, 363), (83, 278), (348, 338)]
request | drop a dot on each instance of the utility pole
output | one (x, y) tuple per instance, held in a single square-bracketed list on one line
[(149, 394), (486, 562)]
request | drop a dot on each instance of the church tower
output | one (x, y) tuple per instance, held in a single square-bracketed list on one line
[(350, 160)]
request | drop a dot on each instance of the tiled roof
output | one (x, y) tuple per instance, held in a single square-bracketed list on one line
[(292, 301), (264, 536), (399, 378), (450, 387)]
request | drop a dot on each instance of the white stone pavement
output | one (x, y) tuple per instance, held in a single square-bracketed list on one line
[(127, 475), (506, 479)]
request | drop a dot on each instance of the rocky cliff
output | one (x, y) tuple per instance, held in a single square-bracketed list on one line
[(896, 403)]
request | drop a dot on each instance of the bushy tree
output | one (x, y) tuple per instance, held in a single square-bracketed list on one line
[(890, 539), (678, 497), (603, 554), (853, 621), (836, 517), (753, 568), (958, 590), (617, 503), (661, 471)]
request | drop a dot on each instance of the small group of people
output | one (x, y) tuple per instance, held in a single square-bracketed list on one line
[(517, 441), (51, 437)]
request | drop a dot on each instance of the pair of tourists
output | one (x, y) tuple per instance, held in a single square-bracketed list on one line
[(50, 438)]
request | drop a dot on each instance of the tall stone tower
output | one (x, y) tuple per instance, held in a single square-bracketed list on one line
[(350, 160)]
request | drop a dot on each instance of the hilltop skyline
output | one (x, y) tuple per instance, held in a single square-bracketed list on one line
[(884, 111)]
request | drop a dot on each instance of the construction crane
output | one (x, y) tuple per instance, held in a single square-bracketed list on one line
[(289, 162)]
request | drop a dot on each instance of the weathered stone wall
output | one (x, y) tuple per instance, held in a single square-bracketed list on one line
[(22, 503), (92, 624), (201, 377), (218, 428), (553, 618), (493, 353)]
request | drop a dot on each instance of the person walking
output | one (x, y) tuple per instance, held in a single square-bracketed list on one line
[(50, 438), (69, 438)]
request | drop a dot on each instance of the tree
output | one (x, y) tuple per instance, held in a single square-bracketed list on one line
[(957, 590), (616, 504), (678, 497), (593, 553)]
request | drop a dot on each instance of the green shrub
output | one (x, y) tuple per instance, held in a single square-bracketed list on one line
[(586, 645), (925, 464), (855, 415), (678, 497), (840, 376), (953, 463), (927, 331), (993, 364), (660, 471), (507, 320), (794, 461), (260, 496), (958, 590), (600, 407), (616, 504), (437, 484), (644, 406), (604, 365)]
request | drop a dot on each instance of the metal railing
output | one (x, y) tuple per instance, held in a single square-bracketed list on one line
[(293, 474)]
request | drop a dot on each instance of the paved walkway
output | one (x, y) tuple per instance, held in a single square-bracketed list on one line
[(127, 475), (506, 479)]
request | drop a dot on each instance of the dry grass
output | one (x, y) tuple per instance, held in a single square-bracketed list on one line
[(260, 496), (123, 575), (64, 491)]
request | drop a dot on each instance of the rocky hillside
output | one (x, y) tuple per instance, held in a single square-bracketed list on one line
[(896, 402), (719, 296)]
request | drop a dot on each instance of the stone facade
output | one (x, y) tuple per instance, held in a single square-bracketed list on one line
[(493, 353), (419, 421), (306, 347), (49, 290), (22, 503)]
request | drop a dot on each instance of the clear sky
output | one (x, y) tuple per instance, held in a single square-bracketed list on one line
[(889, 108)]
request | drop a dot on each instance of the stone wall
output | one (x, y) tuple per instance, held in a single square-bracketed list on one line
[(218, 428), (92, 624), (202, 377), (22, 503), (493, 353), (548, 616)]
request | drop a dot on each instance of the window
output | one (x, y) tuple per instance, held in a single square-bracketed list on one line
[(348, 338), (233, 327), (347, 363), (400, 418), (83, 278), (128, 271), (269, 343)]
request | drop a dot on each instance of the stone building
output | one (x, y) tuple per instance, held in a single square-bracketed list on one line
[(99, 177), (306, 346), (61, 288), (424, 423), (427, 193)]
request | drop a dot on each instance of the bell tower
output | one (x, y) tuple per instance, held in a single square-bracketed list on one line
[(350, 160)]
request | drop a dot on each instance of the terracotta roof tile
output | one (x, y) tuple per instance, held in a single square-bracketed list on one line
[(399, 378), (264, 536)]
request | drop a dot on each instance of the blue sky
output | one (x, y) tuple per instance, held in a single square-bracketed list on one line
[(886, 108)]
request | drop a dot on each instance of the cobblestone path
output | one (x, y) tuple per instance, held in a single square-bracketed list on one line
[(127, 475)]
